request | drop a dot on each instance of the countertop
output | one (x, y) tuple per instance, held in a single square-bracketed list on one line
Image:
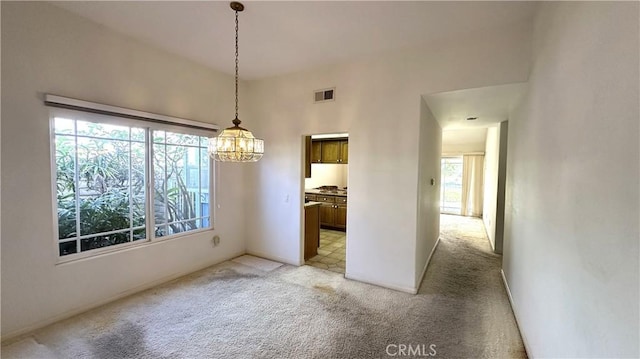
[(311, 204), (341, 193)]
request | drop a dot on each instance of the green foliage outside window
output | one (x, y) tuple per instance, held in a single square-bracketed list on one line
[(107, 177)]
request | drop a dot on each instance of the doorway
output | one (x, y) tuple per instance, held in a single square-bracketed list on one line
[(325, 185)]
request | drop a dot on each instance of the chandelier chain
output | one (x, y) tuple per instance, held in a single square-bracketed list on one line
[(236, 64), (236, 144)]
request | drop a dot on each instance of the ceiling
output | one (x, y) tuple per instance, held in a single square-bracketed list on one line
[(469, 137), (490, 105), (284, 37)]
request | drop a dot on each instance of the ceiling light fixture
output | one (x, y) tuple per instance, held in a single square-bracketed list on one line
[(236, 144)]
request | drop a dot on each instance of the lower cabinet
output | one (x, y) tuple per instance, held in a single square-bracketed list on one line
[(341, 216), (311, 231), (327, 214), (333, 211)]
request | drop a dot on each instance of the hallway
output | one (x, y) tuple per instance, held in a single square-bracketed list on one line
[(465, 274)]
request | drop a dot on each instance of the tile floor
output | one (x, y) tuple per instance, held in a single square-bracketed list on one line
[(331, 253)]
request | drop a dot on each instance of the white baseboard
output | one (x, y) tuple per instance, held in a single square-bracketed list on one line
[(424, 270), (21, 333), (515, 314), (362, 279), (273, 258)]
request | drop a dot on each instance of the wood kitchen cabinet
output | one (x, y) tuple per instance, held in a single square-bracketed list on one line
[(307, 156), (333, 211), (316, 152), (341, 216), (311, 231), (344, 152), (327, 214), (330, 151)]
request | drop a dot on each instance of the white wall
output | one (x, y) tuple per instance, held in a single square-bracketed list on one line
[(378, 104), (327, 174), (495, 174), (502, 187), (571, 241), (491, 152), (428, 194), (48, 50)]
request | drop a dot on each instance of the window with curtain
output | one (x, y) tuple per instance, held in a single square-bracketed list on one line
[(462, 182)]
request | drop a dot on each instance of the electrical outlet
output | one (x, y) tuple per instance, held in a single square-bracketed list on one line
[(216, 240)]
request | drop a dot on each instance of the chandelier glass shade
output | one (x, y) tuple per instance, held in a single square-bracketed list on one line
[(236, 144)]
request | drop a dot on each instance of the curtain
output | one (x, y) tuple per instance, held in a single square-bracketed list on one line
[(472, 185)]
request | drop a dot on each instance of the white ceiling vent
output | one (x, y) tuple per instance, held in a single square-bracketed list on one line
[(324, 95)]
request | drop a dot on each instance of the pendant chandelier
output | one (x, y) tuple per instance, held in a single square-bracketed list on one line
[(236, 144)]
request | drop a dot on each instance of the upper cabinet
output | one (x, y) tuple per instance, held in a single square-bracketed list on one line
[(307, 157), (344, 151), (316, 152), (330, 151)]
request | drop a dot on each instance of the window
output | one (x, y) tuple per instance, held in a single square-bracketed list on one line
[(181, 198), (104, 168), (451, 189)]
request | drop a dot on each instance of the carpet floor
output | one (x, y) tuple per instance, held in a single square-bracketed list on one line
[(249, 308)]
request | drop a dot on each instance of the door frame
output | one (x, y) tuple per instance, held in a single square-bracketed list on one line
[(303, 147)]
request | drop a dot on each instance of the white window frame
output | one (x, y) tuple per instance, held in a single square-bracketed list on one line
[(113, 119), (151, 191)]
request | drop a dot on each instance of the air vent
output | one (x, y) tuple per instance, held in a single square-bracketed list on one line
[(324, 95)]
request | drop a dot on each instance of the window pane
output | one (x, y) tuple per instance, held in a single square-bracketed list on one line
[(102, 130), (104, 241), (104, 185), (161, 231), (158, 136), (64, 126), (137, 134), (181, 139), (204, 185), (204, 142), (183, 227), (138, 192), (102, 172), (139, 234), (159, 172), (181, 195), (67, 248), (181, 201), (65, 186)]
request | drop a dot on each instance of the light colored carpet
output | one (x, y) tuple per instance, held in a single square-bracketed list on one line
[(233, 310)]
